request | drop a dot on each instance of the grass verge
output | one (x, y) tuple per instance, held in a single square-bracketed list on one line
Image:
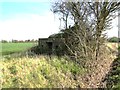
[(39, 72)]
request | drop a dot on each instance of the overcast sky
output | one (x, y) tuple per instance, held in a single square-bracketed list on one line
[(31, 20)]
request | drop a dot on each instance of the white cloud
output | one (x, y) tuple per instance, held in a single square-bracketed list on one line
[(114, 30), (29, 26), (34, 26)]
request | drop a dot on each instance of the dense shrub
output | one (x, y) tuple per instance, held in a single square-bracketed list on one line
[(113, 79), (3, 41), (113, 39)]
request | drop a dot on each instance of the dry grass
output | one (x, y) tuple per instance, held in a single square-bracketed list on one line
[(113, 46), (39, 72)]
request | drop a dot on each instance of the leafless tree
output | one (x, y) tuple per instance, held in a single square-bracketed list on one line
[(90, 20)]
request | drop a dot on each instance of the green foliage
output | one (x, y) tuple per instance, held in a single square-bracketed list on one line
[(3, 41), (113, 39), (65, 66)]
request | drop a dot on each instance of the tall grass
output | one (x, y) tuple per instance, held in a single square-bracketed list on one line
[(40, 71)]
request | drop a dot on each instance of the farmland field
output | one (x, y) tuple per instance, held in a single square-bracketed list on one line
[(9, 48)]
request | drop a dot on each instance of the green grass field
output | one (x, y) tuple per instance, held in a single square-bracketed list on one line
[(9, 48)]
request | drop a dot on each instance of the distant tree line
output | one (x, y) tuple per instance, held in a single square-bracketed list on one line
[(18, 41)]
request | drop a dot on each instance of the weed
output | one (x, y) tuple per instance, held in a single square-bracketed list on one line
[(39, 72)]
